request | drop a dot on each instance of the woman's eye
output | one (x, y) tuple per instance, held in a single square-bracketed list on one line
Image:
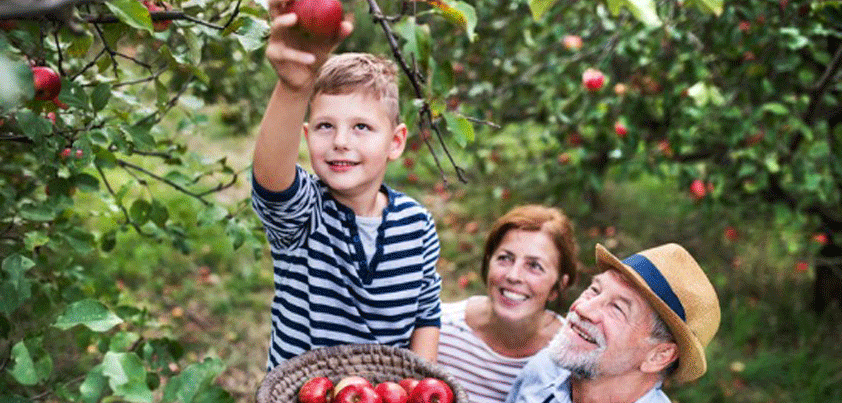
[(504, 258), (536, 266)]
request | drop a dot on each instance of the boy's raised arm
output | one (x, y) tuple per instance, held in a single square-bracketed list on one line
[(295, 59)]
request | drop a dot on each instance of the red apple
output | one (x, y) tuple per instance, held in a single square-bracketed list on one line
[(47, 83), (431, 390), (408, 384), (820, 238), (357, 393), (731, 233), (391, 392), (153, 7), (593, 79), (572, 42), (802, 266), (65, 153), (620, 129), (350, 380), (563, 158), (698, 189), (316, 390), (320, 18)]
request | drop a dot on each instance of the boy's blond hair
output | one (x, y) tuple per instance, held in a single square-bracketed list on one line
[(349, 72)]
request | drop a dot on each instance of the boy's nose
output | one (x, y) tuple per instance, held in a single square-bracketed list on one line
[(340, 138)]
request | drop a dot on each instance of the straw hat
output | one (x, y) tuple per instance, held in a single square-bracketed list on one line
[(680, 292)]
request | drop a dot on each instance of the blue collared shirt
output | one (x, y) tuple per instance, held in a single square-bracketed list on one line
[(543, 381)]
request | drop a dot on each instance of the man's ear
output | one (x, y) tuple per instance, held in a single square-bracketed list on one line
[(556, 291), (659, 357), (398, 142)]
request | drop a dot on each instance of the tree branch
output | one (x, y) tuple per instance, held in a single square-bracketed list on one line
[(415, 79)]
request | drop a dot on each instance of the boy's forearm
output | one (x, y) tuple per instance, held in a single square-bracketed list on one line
[(425, 342), (276, 148)]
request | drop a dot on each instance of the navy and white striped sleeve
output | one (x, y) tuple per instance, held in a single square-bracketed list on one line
[(429, 299), (286, 215)]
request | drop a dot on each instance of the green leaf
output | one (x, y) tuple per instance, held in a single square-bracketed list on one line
[(643, 10), (86, 182), (24, 368), (108, 241), (709, 6), (140, 134), (252, 33), (139, 211), (185, 386), (469, 15), (32, 363), (461, 128), (35, 127), (34, 239), (100, 96), (132, 13), (89, 312), (539, 7), (93, 386), (74, 95), (776, 108), (126, 376), (211, 214)]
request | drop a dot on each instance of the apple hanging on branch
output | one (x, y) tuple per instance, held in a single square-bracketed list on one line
[(47, 83), (319, 18), (154, 7)]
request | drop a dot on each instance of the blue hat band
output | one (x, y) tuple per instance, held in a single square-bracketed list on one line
[(656, 282)]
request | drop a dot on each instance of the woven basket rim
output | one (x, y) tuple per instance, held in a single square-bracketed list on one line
[(349, 359)]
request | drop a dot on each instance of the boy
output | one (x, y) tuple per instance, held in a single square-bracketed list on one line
[(354, 260)]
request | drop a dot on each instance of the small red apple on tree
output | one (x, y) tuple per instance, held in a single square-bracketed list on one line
[(47, 83), (316, 390), (391, 392), (697, 189), (593, 79), (820, 238), (572, 42), (320, 18), (431, 390), (731, 233), (153, 7), (620, 129)]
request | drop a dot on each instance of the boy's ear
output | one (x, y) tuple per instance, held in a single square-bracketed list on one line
[(398, 142), (305, 128)]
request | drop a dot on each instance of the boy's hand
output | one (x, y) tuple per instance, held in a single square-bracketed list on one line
[(294, 56)]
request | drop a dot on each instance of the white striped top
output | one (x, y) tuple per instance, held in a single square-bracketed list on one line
[(326, 290), (486, 375)]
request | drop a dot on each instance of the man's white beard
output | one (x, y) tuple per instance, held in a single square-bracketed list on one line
[(581, 364)]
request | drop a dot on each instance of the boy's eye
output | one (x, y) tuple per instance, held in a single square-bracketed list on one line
[(323, 126), (362, 126)]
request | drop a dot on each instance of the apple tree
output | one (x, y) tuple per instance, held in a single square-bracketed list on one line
[(739, 102), (88, 152)]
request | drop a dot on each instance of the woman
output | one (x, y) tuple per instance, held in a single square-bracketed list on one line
[(530, 259)]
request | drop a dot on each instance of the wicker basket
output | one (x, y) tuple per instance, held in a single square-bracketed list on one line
[(377, 363)]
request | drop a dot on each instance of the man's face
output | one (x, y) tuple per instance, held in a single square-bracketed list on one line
[(607, 330)]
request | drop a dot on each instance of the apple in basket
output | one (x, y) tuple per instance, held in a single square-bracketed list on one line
[(431, 390), (357, 393), (391, 392), (316, 390), (348, 381), (408, 384)]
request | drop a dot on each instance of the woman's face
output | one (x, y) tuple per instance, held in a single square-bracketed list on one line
[(522, 274)]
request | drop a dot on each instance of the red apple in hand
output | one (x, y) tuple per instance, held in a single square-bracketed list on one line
[(47, 83), (320, 18), (593, 79), (431, 390), (348, 381), (391, 392), (408, 384), (316, 390), (357, 393)]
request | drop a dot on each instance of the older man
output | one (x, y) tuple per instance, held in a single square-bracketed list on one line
[(641, 320)]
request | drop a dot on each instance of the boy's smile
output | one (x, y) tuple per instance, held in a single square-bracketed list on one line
[(351, 138)]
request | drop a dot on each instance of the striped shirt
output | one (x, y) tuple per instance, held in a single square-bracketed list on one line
[(486, 375), (326, 292)]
